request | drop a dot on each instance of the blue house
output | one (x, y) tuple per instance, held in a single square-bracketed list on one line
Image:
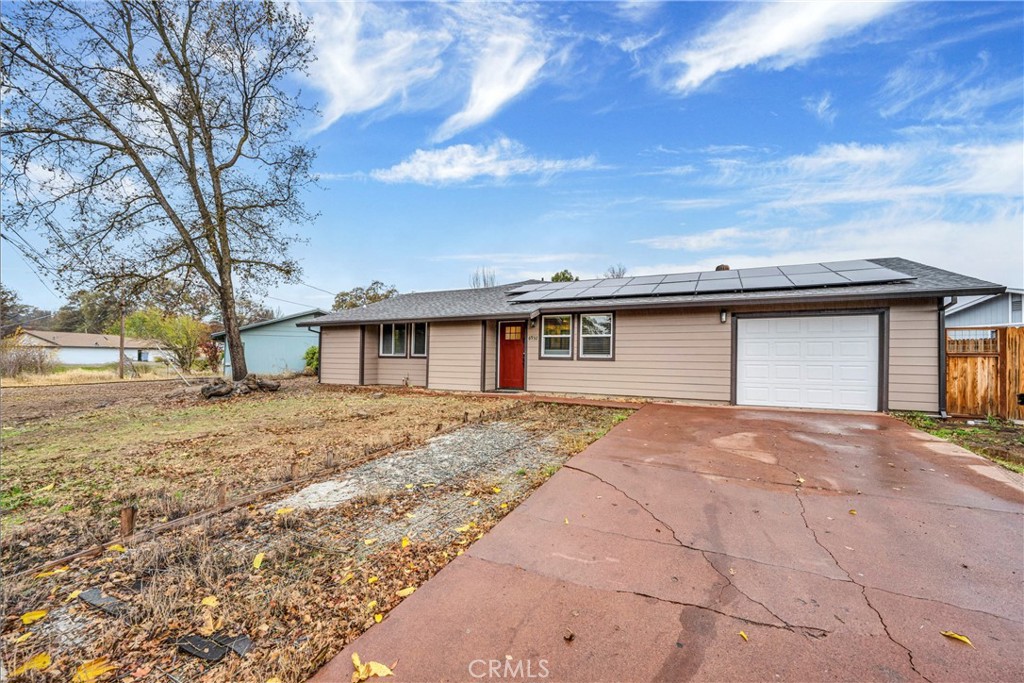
[(273, 347)]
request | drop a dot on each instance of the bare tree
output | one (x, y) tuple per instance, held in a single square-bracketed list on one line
[(155, 139), (618, 270), (483, 277), (362, 296)]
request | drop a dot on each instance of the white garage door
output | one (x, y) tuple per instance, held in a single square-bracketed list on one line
[(808, 362)]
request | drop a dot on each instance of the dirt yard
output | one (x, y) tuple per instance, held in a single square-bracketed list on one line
[(998, 440), (296, 575)]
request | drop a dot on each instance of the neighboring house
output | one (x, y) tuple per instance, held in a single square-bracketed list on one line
[(997, 309), (275, 346), (859, 335), (79, 348)]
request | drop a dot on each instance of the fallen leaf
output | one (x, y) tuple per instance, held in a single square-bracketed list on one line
[(348, 577), (497, 489), (52, 572), (92, 670), (744, 636), (475, 502), (116, 547), (48, 487), (406, 542), (23, 637), (210, 601), (372, 579), (369, 541), (35, 663), (853, 512), (378, 618), (409, 515), (409, 486), (32, 617), (275, 679), (504, 506), (406, 592), (566, 520), (800, 480), (283, 511), (73, 594), (208, 626), (957, 636), (371, 605), (365, 671), (732, 572), (257, 561), (463, 529)]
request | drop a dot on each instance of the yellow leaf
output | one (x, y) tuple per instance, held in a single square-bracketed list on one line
[(378, 618), (458, 553), (957, 636), (744, 636), (566, 520), (116, 547), (275, 679), (475, 502), (211, 601), (348, 577), (36, 663), (48, 487), (370, 541), (462, 529), (257, 561), (800, 480), (853, 512), (92, 670), (504, 506), (406, 592), (497, 489), (409, 486), (23, 637), (73, 594), (372, 579), (52, 572), (409, 515), (405, 542), (283, 511), (32, 617)]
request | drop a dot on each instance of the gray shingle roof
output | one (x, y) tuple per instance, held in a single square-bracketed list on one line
[(494, 302)]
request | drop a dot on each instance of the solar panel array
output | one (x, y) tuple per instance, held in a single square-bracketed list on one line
[(809, 275)]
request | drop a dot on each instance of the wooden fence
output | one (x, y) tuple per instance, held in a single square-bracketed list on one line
[(985, 372)]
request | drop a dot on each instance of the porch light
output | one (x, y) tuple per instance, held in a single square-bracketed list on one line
[(723, 316)]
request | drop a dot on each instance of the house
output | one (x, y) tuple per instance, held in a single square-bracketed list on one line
[(996, 309), (273, 347), (80, 348), (852, 335)]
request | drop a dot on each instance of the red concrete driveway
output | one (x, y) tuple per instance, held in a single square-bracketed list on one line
[(841, 545)]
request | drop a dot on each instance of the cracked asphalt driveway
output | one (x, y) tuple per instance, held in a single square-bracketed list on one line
[(840, 545)]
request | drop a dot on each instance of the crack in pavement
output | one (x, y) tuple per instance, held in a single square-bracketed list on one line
[(863, 589), (796, 628)]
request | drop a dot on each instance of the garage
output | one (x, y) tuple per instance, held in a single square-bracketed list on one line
[(819, 361)]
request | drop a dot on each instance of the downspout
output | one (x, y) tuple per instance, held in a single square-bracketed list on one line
[(319, 353), (942, 354)]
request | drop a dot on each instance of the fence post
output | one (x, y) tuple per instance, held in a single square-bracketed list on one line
[(128, 520)]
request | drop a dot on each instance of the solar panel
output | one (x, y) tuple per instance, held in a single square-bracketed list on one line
[(635, 290), (676, 287), (818, 279), (719, 285), (807, 275)]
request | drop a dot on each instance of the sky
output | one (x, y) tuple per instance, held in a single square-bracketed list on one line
[(665, 137)]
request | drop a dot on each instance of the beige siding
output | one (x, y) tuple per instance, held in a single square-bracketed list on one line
[(392, 371), (490, 356), (455, 355), (662, 354), (339, 355), (371, 345), (914, 356)]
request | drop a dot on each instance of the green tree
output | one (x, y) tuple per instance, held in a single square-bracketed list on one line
[(181, 335), (157, 139), (564, 276), (361, 296), (89, 311), (11, 310)]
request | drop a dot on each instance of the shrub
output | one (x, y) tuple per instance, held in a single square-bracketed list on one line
[(17, 358), (313, 358)]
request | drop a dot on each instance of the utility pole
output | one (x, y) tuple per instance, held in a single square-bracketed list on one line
[(120, 356)]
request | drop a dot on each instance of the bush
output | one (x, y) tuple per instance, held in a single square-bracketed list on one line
[(313, 358), (17, 358)]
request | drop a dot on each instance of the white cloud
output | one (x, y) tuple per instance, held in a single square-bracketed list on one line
[(772, 36), (461, 163), (692, 204), (509, 53), (637, 10), (718, 238), (368, 57), (821, 107)]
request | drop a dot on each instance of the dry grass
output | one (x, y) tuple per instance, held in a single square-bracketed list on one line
[(92, 375)]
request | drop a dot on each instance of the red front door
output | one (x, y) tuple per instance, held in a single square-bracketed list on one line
[(510, 355)]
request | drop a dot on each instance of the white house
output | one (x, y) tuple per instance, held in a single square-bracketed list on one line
[(79, 348)]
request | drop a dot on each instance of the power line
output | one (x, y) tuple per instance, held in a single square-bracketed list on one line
[(319, 289), (285, 301)]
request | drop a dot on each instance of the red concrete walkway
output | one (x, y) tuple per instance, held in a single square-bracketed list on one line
[(688, 525)]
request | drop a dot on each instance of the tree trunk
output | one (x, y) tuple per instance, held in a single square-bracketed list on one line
[(233, 337), (120, 346)]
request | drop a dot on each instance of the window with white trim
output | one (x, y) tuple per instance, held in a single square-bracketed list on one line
[(392, 339), (419, 340), (596, 331), (556, 336)]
